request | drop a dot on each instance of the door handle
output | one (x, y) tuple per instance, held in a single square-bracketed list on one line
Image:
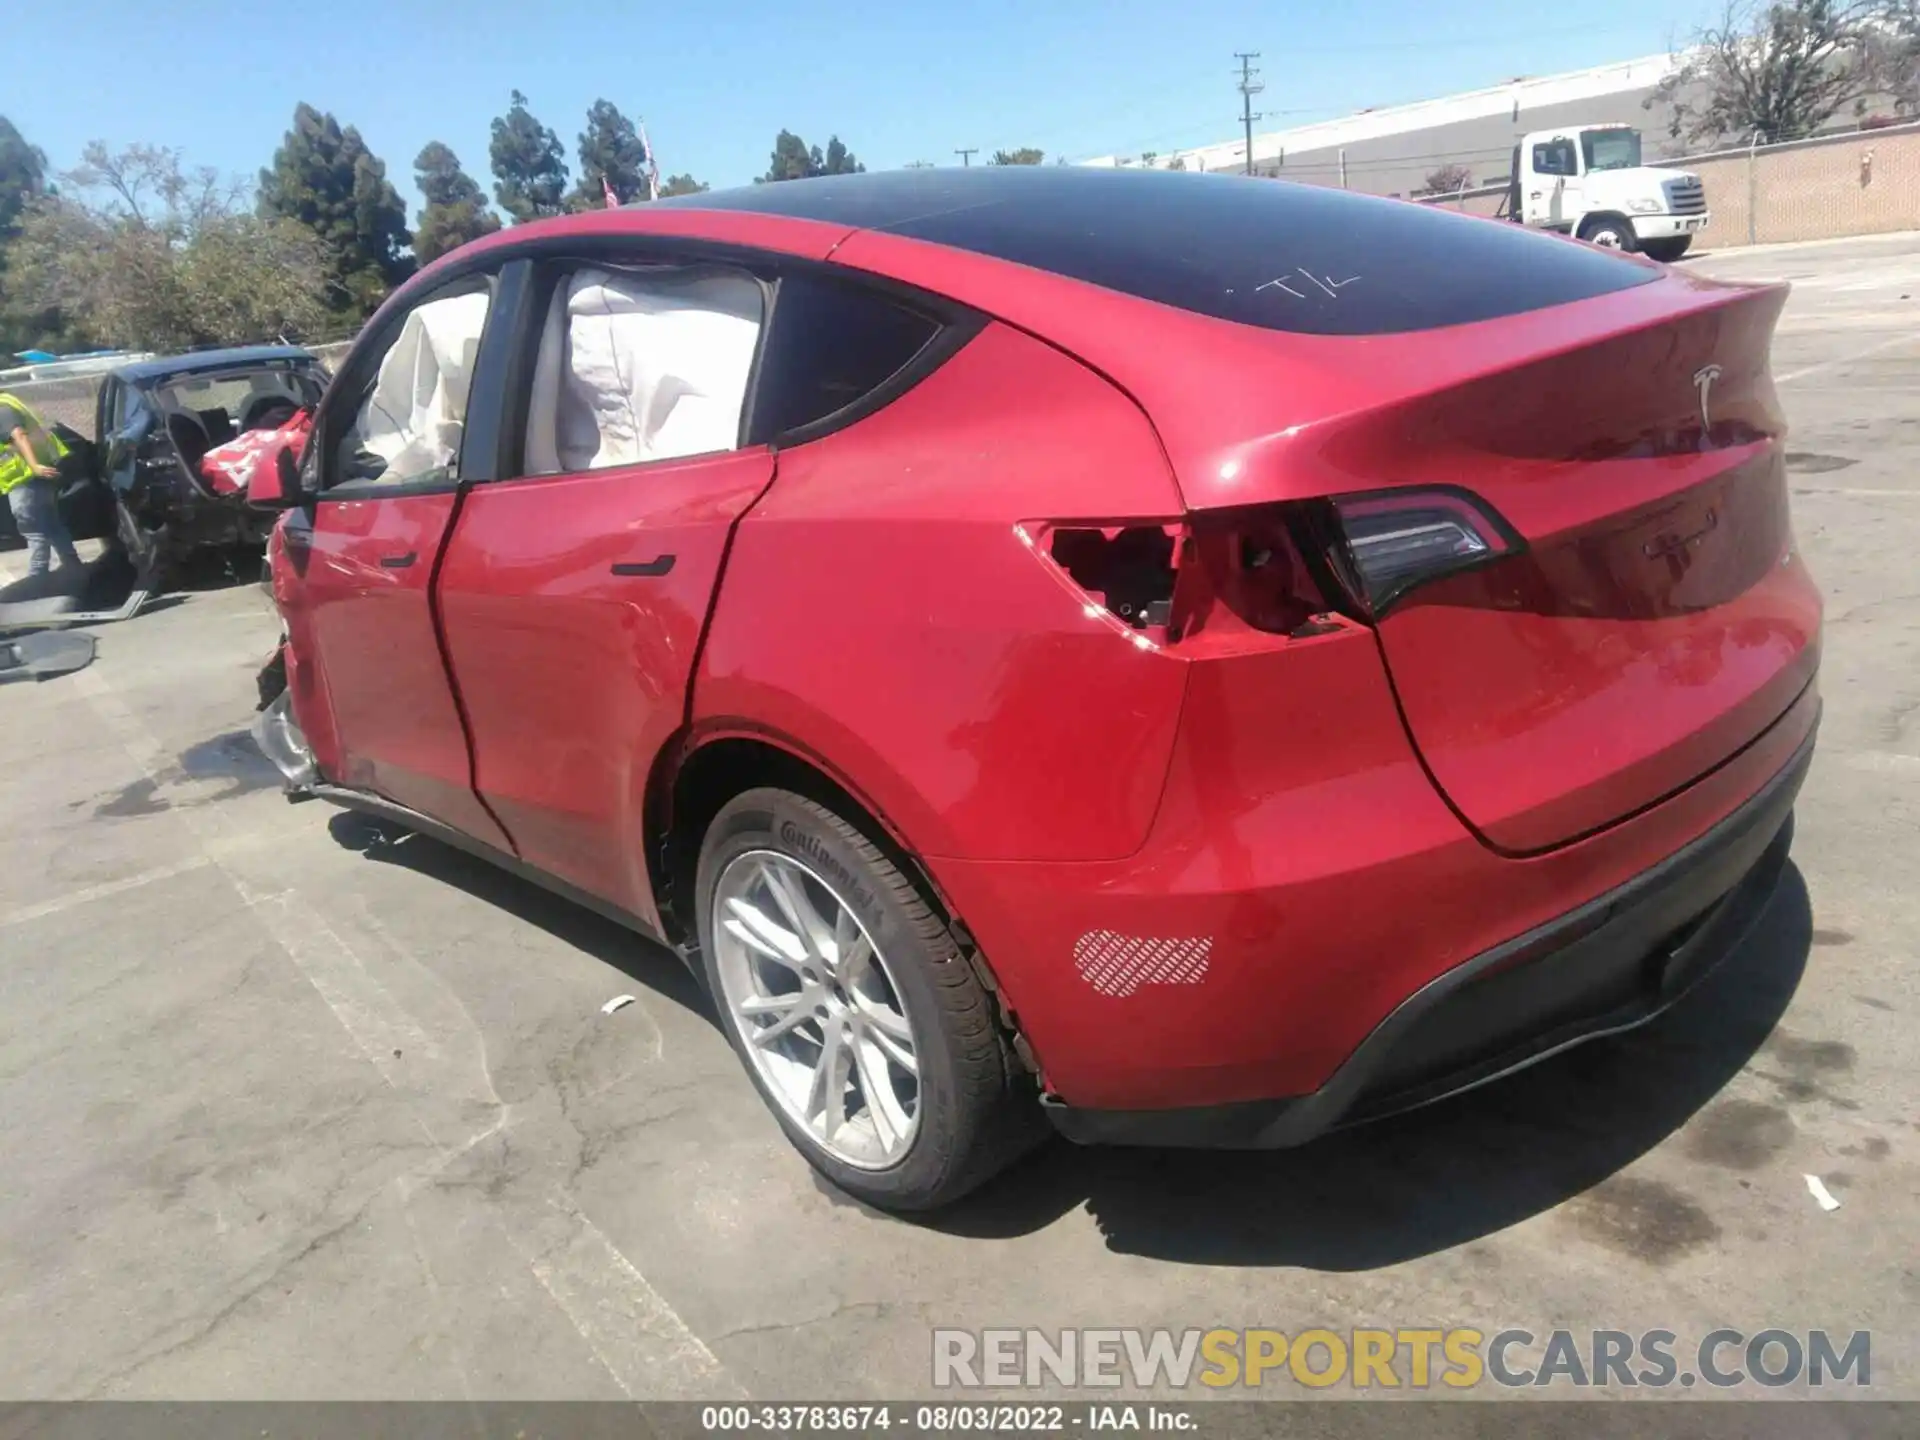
[(656, 567), (398, 562)]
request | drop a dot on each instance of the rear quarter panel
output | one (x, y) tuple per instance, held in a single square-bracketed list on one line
[(881, 613)]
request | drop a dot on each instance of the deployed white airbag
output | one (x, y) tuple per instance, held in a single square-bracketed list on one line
[(414, 416), (637, 367)]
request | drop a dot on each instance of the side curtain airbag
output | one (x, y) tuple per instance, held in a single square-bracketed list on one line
[(654, 367)]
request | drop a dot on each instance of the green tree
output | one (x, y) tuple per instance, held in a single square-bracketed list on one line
[(1778, 71), (1893, 55), (456, 209), (23, 176), (141, 252), (1025, 155), (682, 185), (325, 178), (840, 160), (791, 160), (24, 321), (529, 167), (1446, 180), (794, 159), (610, 150)]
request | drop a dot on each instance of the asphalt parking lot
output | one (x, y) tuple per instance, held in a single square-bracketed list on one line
[(286, 1116)]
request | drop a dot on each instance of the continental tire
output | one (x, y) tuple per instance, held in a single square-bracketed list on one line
[(856, 1013)]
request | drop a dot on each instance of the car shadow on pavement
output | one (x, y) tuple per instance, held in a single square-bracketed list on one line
[(642, 960), (1443, 1176)]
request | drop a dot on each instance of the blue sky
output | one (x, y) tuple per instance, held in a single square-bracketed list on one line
[(714, 82)]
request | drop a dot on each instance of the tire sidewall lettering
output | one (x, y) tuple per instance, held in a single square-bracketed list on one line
[(800, 841)]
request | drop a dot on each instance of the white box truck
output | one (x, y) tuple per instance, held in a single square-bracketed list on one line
[(1588, 181)]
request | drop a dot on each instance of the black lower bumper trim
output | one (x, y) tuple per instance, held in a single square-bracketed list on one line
[(1613, 964)]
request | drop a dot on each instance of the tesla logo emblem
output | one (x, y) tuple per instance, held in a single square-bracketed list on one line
[(1678, 544), (1703, 379)]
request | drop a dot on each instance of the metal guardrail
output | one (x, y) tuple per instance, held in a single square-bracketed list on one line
[(78, 367)]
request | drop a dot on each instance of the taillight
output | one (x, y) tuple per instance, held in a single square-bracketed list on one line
[(1296, 568), (1219, 572), (1395, 540)]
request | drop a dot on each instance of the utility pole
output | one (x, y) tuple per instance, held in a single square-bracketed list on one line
[(1249, 87), (966, 156)]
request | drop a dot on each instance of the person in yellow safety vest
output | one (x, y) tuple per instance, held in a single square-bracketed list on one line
[(30, 456)]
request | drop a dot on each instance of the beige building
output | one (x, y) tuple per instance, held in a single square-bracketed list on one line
[(1392, 151)]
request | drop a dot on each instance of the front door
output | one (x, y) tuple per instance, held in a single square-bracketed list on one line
[(1553, 190), (374, 699), (575, 589)]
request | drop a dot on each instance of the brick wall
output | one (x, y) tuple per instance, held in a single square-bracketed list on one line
[(1867, 183)]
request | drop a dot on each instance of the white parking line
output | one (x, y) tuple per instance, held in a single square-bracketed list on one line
[(1846, 490), (23, 913), (627, 1324), (635, 1333), (378, 1023), (1835, 363), (1884, 762)]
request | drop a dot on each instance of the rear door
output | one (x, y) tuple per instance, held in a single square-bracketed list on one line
[(371, 692), (577, 587), (577, 583)]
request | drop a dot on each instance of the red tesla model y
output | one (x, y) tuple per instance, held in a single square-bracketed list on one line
[(1181, 659)]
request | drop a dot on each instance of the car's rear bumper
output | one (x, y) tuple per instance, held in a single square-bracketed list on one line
[(1609, 965), (1301, 880)]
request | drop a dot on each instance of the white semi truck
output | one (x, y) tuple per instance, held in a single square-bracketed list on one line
[(1588, 181)]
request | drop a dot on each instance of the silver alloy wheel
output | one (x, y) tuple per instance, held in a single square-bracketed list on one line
[(1607, 238), (816, 1008)]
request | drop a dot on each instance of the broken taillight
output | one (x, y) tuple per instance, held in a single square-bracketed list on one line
[(1293, 568), (1168, 581)]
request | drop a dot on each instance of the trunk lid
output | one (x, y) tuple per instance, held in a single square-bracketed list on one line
[(1652, 617), (1658, 617)]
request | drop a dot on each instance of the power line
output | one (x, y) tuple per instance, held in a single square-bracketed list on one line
[(1249, 87), (966, 156)]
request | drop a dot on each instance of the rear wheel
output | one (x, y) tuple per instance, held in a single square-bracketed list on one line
[(1666, 250), (1609, 233), (856, 1012)]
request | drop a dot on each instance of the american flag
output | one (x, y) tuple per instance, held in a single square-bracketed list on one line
[(606, 188), (653, 167)]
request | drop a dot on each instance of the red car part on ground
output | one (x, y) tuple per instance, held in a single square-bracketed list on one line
[(1303, 653)]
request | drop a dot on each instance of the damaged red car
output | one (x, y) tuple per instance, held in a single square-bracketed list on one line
[(1168, 659)]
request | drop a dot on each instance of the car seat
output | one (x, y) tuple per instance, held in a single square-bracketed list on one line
[(189, 434), (219, 425), (268, 412)]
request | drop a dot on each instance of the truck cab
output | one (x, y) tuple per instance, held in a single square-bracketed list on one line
[(1588, 181)]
